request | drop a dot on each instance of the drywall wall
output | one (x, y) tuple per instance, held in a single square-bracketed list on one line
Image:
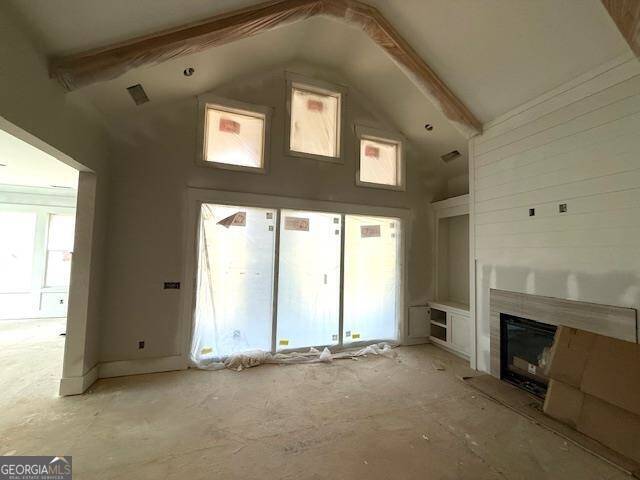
[(453, 259), (458, 259), (458, 185), (33, 102), (154, 162), (577, 145)]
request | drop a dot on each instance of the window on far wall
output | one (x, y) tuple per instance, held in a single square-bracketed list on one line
[(59, 250), (234, 138), (380, 162), (315, 121)]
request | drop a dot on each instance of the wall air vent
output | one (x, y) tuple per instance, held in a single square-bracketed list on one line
[(449, 157), (138, 94)]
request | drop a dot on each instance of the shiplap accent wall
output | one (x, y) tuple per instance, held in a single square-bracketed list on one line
[(580, 145)]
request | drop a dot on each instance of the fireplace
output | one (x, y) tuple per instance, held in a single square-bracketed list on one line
[(524, 351)]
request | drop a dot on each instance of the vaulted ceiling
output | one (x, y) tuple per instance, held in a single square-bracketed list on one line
[(493, 54)]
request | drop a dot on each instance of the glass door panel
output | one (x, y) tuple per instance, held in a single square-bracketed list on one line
[(309, 279), (371, 278), (234, 299)]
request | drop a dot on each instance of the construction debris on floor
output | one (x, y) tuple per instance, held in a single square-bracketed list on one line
[(240, 361)]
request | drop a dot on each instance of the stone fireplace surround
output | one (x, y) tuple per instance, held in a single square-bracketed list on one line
[(610, 321)]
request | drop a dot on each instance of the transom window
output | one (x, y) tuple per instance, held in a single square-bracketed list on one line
[(234, 138), (314, 118), (381, 162)]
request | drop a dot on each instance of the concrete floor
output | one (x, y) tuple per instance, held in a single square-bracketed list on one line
[(375, 418)]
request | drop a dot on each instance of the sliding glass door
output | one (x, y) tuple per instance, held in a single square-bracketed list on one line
[(234, 298), (309, 279), (371, 278), (278, 279)]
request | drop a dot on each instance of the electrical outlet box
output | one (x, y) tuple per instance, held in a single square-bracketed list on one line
[(562, 208), (140, 344), (532, 212)]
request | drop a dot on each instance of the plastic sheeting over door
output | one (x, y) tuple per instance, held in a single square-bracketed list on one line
[(309, 279), (234, 299), (371, 278)]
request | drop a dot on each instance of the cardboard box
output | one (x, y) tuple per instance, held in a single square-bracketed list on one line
[(612, 373), (568, 357), (563, 402), (612, 426)]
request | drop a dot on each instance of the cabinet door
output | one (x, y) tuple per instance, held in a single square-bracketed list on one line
[(459, 332)]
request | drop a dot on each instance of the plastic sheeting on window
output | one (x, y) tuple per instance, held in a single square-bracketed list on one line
[(309, 279), (234, 138), (234, 297), (314, 123), (372, 282), (379, 162)]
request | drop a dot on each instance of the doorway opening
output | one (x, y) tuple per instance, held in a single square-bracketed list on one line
[(38, 204)]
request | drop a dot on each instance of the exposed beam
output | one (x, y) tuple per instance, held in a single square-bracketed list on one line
[(110, 62), (626, 15)]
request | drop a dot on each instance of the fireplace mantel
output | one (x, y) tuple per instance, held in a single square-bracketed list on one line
[(610, 321)]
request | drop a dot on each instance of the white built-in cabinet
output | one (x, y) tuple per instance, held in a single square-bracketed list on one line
[(449, 316), (449, 327)]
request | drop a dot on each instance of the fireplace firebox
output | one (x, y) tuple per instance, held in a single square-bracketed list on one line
[(524, 349)]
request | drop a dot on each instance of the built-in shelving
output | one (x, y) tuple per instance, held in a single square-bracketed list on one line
[(449, 312)]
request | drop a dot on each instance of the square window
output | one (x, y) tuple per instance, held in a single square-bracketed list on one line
[(380, 162), (234, 137), (315, 122)]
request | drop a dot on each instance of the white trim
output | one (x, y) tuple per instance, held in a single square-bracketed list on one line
[(473, 318), (462, 200), (78, 385), (196, 196), (123, 368), (209, 100), (383, 136), (310, 84)]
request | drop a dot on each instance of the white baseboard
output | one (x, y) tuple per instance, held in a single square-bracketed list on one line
[(122, 368), (78, 385)]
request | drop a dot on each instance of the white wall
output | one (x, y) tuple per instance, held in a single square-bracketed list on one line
[(155, 162), (579, 145), (458, 259), (37, 104)]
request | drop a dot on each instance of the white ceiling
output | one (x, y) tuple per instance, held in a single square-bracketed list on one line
[(24, 165), (494, 54)]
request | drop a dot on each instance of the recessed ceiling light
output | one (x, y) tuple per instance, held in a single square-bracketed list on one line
[(428, 127), (189, 71)]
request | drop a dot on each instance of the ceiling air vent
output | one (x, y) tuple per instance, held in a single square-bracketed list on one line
[(138, 94), (449, 157)]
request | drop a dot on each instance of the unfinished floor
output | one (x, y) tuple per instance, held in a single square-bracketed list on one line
[(375, 418)]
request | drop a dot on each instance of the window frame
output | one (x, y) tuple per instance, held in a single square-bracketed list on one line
[(383, 136), (313, 85), (239, 108)]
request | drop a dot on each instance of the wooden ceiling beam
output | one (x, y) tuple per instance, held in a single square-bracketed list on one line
[(102, 64), (626, 15)]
